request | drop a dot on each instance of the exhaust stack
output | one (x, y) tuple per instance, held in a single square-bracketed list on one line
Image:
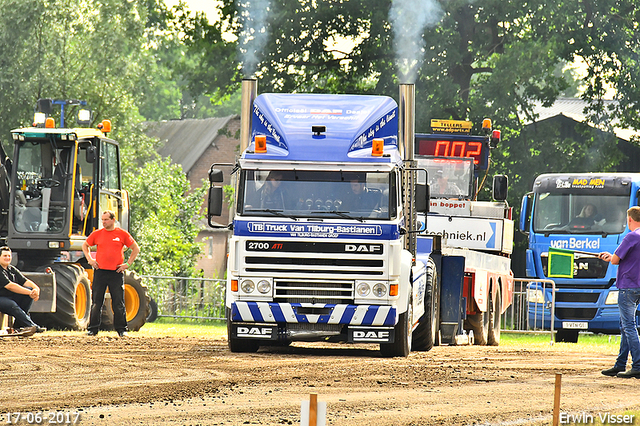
[(249, 93), (406, 121)]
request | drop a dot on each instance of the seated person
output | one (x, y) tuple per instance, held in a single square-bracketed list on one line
[(441, 186), (272, 195), (360, 198), (17, 294), (588, 217)]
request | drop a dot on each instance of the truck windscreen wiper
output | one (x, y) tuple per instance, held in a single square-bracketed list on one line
[(273, 212), (341, 214)]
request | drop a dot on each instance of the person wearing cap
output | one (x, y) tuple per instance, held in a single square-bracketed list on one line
[(441, 185), (17, 294), (109, 266)]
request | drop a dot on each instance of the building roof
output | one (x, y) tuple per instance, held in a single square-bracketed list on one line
[(574, 108), (186, 140)]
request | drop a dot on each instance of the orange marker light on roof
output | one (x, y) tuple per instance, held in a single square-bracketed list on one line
[(377, 148), (261, 144), (105, 126), (486, 124), (50, 123)]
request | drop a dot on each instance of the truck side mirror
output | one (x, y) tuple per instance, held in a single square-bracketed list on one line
[(215, 175), (90, 154), (422, 198), (215, 201), (525, 212), (500, 187)]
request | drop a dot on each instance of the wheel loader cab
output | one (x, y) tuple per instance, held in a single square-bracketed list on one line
[(51, 191), (61, 180)]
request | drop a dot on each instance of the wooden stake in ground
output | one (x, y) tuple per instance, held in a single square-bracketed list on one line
[(313, 412), (556, 400), (313, 409)]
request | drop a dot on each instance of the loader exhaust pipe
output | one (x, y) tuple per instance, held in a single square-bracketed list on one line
[(249, 93), (406, 121)]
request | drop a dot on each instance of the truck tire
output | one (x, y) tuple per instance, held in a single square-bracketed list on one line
[(73, 299), (401, 345), (136, 303), (239, 345), (495, 319), (479, 324), (425, 336), (567, 335)]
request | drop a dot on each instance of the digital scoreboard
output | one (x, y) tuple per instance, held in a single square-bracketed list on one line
[(442, 145)]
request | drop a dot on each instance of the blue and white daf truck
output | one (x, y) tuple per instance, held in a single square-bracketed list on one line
[(325, 235), (583, 212)]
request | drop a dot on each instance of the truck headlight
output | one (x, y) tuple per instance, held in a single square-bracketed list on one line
[(535, 296), (379, 290), (612, 298), (248, 286), (264, 286), (363, 289)]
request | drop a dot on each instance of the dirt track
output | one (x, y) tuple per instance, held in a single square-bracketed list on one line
[(189, 381)]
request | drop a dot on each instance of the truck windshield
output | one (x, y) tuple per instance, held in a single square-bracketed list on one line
[(448, 177), (295, 193), (574, 214)]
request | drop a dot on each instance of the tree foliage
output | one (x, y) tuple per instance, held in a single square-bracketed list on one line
[(107, 52)]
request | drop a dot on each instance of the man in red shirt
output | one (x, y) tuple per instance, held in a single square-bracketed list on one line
[(109, 267)]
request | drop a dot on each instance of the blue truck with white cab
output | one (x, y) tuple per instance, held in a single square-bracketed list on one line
[(584, 213), (326, 243)]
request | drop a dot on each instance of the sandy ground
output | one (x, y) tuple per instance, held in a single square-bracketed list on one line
[(195, 381)]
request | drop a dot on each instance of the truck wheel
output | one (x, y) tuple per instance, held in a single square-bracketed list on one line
[(239, 345), (136, 303), (401, 345), (73, 299), (495, 317), (567, 336), (425, 336), (479, 324)]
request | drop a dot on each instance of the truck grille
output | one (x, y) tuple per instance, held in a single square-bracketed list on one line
[(577, 297), (315, 271), (309, 291), (585, 267), (584, 314)]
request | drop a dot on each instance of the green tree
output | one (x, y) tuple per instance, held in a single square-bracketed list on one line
[(163, 213), (100, 52)]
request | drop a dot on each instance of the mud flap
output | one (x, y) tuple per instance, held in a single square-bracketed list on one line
[(254, 331), (370, 335), (453, 306), (47, 284)]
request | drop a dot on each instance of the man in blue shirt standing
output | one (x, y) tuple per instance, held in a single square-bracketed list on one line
[(627, 257)]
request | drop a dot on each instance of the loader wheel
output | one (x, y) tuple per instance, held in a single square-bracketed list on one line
[(425, 334), (73, 299), (136, 303), (153, 310), (495, 317)]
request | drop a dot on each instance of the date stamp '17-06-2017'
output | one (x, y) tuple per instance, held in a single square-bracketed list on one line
[(40, 418)]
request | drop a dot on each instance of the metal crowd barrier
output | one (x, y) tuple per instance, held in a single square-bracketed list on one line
[(527, 312), (185, 297)]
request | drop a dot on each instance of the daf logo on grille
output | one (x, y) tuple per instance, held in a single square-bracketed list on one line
[(363, 248)]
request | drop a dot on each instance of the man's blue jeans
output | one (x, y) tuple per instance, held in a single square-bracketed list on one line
[(628, 300)]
